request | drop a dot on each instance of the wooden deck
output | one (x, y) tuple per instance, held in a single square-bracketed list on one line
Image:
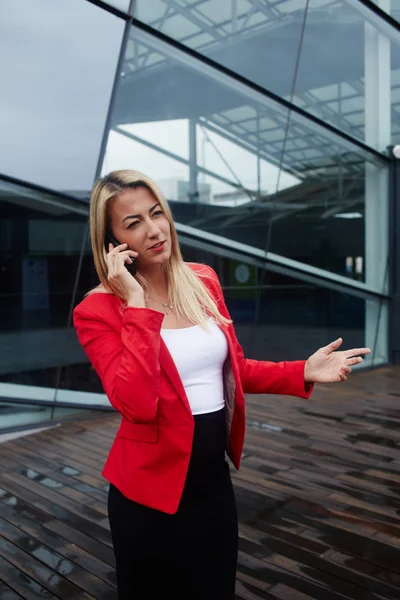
[(318, 497)]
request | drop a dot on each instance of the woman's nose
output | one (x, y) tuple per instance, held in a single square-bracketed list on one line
[(153, 230)]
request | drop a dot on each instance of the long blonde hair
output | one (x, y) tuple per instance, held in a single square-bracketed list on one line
[(187, 292)]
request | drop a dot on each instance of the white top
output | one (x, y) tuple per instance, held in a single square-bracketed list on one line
[(199, 355)]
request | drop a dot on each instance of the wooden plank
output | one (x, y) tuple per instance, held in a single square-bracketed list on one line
[(58, 498), (295, 557), (67, 486), (6, 593), (71, 579), (317, 499), (21, 582), (45, 577), (269, 572), (55, 542), (357, 542), (56, 452), (29, 513), (15, 494), (84, 541)]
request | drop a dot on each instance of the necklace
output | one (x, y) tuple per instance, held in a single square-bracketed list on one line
[(164, 304)]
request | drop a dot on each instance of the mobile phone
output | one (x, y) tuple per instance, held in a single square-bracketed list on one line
[(109, 238)]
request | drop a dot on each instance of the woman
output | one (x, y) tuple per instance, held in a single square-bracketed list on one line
[(165, 349)]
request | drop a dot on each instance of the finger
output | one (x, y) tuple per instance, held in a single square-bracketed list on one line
[(354, 361), (120, 259), (357, 351), (128, 256), (346, 370), (127, 252), (123, 259), (114, 264), (111, 265), (119, 248), (334, 345), (342, 377), (109, 262)]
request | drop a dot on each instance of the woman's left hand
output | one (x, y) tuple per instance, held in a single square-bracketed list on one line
[(328, 366)]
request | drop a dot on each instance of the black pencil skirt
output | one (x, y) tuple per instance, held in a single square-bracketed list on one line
[(192, 554)]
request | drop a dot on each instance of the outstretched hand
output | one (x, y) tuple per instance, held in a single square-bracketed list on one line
[(328, 366)]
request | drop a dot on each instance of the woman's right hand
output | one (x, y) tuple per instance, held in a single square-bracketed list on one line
[(120, 281)]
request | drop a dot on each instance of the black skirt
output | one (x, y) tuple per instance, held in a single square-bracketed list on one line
[(191, 554)]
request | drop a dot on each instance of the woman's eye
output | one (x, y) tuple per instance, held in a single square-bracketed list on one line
[(132, 224), (158, 212)]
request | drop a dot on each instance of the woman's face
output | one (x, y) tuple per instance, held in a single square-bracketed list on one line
[(137, 219)]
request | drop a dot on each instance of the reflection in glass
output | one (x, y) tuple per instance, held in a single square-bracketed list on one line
[(133, 146), (251, 38), (20, 415), (294, 318), (40, 244), (57, 72), (263, 40), (391, 7), (282, 318), (239, 165), (120, 4)]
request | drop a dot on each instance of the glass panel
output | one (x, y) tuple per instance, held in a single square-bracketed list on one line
[(262, 40), (391, 7), (20, 415), (260, 175), (56, 86), (77, 380), (120, 4), (339, 86), (282, 318), (40, 243), (288, 319), (243, 36), (170, 136), (226, 159), (171, 171)]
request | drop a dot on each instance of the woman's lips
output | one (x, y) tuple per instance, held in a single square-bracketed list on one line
[(157, 247)]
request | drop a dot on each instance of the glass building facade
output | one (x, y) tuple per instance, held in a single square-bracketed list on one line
[(268, 126)]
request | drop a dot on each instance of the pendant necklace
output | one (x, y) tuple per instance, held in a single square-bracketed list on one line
[(164, 304)]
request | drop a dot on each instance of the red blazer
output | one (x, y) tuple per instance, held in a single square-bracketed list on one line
[(149, 458)]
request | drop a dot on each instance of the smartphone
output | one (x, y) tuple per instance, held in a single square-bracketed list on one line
[(109, 238)]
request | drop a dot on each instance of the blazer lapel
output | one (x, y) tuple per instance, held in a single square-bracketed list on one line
[(168, 366)]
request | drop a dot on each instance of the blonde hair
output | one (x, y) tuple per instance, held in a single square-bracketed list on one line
[(187, 292)]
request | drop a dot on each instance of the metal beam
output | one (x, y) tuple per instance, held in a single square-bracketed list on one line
[(394, 264), (274, 262), (116, 83), (377, 78), (340, 206), (180, 159), (196, 20), (193, 172), (280, 118), (285, 198), (248, 89), (246, 145), (226, 163)]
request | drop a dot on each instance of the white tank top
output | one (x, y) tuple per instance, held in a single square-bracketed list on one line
[(199, 355)]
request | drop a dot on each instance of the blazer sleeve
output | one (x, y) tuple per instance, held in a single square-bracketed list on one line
[(265, 377), (127, 364)]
